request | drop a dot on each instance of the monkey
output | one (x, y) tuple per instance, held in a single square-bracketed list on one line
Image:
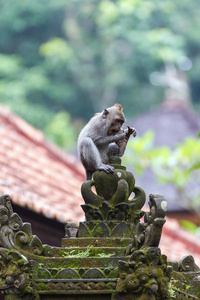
[(100, 136)]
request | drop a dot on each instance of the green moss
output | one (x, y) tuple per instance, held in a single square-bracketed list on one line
[(85, 253), (187, 287), (99, 231), (106, 255), (171, 291)]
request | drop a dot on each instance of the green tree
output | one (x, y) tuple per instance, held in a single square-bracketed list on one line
[(169, 166), (60, 131), (81, 56)]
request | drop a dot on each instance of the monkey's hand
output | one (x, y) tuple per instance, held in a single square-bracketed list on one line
[(130, 131)]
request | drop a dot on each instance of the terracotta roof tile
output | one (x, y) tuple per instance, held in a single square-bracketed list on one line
[(36, 173), (177, 242)]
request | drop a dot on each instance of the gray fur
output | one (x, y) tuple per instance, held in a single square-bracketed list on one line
[(94, 141)]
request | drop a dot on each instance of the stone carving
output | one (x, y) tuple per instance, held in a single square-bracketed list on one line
[(149, 231), (15, 275), (105, 229), (111, 211), (146, 274), (71, 230), (112, 254), (14, 234), (185, 280), (83, 273), (67, 288), (187, 264), (112, 190)]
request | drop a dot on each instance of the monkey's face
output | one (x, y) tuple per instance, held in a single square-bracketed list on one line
[(114, 119), (115, 126)]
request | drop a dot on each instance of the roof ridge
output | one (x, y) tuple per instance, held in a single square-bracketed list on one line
[(22, 126), (180, 233)]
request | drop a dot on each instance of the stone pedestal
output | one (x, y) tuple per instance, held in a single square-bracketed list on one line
[(112, 255)]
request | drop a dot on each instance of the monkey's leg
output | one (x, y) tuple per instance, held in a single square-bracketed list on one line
[(88, 174), (91, 157)]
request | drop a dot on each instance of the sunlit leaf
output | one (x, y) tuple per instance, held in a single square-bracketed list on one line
[(195, 167)]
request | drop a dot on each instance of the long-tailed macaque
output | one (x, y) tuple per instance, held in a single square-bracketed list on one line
[(100, 135)]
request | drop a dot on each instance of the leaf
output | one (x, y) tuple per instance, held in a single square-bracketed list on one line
[(195, 167), (189, 226)]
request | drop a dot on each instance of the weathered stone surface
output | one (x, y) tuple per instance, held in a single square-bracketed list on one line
[(14, 234), (15, 274), (149, 231), (112, 255), (145, 275), (71, 230)]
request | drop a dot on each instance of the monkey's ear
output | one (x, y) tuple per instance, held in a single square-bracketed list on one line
[(105, 113), (119, 106)]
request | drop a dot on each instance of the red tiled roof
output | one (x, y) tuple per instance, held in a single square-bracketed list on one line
[(40, 176), (176, 242), (37, 174)]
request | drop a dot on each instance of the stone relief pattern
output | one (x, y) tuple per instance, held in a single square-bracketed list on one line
[(111, 212), (76, 286), (15, 275), (14, 234), (146, 273)]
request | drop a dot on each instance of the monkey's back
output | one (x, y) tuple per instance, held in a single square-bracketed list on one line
[(96, 127)]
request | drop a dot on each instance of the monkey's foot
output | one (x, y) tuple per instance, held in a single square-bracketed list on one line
[(106, 168)]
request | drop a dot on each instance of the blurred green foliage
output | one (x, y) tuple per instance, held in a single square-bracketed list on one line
[(194, 229), (60, 131), (196, 166), (169, 166), (80, 56)]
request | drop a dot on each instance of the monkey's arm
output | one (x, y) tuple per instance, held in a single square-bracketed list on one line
[(122, 146), (122, 143), (109, 139)]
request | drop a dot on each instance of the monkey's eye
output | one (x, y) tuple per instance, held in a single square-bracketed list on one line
[(120, 121)]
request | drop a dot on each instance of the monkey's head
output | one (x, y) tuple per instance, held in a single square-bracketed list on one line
[(114, 118)]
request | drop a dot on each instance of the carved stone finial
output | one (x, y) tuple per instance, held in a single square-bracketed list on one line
[(14, 234), (112, 210), (111, 201), (187, 264), (71, 230), (149, 231)]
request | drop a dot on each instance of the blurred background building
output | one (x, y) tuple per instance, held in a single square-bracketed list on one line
[(172, 123)]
